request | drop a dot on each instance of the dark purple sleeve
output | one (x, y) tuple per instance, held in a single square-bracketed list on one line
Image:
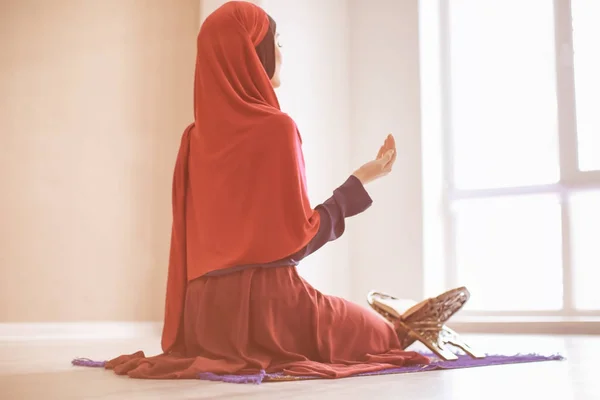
[(348, 200)]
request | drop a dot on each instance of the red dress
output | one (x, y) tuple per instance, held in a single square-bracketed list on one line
[(247, 319)]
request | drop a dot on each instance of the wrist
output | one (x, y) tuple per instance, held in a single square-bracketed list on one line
[(360, 177)]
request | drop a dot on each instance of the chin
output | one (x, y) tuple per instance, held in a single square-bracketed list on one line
[(275, 82)]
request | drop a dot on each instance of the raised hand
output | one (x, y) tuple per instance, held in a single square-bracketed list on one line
[(381, 165)]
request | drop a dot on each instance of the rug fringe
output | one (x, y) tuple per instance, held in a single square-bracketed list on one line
[(255, 379), (86, 362)]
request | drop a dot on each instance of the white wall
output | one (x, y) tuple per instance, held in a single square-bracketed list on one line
[(386, 242)]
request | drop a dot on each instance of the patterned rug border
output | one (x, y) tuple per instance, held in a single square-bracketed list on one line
[(436, 365)]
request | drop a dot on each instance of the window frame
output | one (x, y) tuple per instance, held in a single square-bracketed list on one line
[(572, 179)]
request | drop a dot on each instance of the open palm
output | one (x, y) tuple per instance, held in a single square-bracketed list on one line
[(381, 165)]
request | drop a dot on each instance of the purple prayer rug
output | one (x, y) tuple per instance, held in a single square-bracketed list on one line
[(463, 361)]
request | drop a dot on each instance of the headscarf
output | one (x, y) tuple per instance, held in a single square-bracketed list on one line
[(239, 186)]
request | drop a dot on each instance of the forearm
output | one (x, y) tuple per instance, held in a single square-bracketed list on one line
[(348, 200)]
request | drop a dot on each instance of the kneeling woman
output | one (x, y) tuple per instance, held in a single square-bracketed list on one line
[(242, 222)]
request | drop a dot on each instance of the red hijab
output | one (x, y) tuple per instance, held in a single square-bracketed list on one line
[(239, 188)]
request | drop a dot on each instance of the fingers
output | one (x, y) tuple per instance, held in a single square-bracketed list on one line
[(392, 145), (390, 158), (387, 157), (388, 144), (390, 163), (381, 151)]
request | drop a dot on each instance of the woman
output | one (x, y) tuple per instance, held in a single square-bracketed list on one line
[(241, 223)]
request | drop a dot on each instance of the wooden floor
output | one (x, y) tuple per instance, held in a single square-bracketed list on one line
[(42, 370)]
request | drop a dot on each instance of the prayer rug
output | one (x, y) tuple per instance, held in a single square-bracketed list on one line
[(463, 361)]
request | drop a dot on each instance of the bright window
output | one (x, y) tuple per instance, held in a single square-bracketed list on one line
[(503, 93), (520, 134), (508, 250), (585, 219)]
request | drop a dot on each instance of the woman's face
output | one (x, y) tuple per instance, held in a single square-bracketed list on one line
[(275, 80)]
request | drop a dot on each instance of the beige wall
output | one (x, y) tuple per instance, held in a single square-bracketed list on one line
[(94, 96)]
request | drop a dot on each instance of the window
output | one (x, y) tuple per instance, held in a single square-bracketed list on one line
[(519, 92)]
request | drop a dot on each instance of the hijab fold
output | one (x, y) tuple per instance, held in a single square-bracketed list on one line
[(239, 185)]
